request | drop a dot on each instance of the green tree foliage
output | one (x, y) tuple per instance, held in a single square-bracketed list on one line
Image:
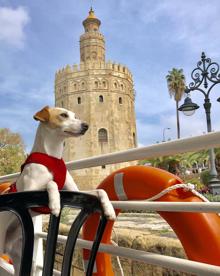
[(177, 164), (12, 153), (176, 86), (205, 177), (168, 163), (217, 160)]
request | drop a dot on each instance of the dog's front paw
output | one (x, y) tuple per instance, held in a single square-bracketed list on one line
[(106, 204), (55, 208), (54, 198)]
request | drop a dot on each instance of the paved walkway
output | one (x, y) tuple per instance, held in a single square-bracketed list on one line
[(144, 222)]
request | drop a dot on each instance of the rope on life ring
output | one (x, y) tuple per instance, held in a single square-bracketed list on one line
[(185, 186), (198, 232)]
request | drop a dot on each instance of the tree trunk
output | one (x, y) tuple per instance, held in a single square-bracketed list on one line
[(177, 120)]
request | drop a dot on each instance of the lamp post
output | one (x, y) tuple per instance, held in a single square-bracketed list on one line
[(166, 128), (205, 76)]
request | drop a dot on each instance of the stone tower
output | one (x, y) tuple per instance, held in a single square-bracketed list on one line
[(102, 94)]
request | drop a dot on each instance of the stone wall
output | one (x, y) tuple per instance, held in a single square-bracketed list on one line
[(136, 240)]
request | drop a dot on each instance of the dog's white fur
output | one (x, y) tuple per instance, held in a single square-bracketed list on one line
[(56, 124)]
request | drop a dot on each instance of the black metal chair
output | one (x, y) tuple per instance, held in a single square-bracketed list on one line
[(19, 203)]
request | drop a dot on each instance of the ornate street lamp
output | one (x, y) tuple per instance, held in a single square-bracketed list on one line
[(188, 107), (206, 75)]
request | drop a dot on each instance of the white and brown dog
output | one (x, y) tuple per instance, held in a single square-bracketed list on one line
[(56, 124)]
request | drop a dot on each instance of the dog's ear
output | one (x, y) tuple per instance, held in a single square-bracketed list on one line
[(43, 115)]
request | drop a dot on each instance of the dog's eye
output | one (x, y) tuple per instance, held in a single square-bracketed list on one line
[(64, 115)]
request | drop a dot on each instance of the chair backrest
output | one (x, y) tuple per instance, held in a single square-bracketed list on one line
[(19, 203)]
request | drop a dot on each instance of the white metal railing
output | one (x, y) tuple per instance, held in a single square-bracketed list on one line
[(168, 148), (196, 207), (151, 258)]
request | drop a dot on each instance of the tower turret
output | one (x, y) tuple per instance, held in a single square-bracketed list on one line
[(92, 42)]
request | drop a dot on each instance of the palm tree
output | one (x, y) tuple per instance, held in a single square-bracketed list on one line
[(176, 87)]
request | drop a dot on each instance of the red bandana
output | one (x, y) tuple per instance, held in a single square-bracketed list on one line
[(56, 166)]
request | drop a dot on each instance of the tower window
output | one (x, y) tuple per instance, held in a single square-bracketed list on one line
[(83, 85), (115, 84), (74, 86), (79, 100), (104, 84), (134, 138), (101, 99), (96, 84), (122, 87), (120, 100), (103, 135)]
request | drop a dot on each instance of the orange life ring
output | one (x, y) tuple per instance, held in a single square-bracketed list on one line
[(199, 233), (4, 187)]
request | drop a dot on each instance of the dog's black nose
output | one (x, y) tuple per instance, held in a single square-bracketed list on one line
[(84, 126)]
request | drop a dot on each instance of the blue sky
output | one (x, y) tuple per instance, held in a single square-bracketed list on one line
[(150, 37)]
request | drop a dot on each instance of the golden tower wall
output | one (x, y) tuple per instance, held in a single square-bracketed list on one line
[(102, 94)]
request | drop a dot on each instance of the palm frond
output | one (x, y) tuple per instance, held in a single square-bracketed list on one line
[(176, 83)]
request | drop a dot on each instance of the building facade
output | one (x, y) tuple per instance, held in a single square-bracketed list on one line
[(102, 94)]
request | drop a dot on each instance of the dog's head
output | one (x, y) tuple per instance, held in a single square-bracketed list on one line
[(61, 120)]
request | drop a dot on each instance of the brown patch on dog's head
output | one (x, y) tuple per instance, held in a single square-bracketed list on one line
[(43, 115), (55, 119), (50, 116)]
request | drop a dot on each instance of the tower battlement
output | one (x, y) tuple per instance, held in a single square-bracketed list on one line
[(77, 69)]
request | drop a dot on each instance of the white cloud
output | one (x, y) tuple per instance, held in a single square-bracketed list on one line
[(13, 22), (192, 28), (194, 23)]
